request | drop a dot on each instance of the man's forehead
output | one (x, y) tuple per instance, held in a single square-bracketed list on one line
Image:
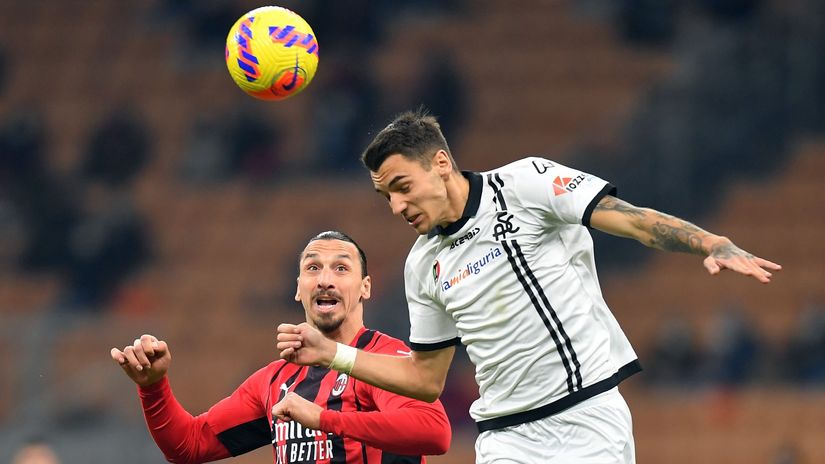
[(394, 168), (329, 248)]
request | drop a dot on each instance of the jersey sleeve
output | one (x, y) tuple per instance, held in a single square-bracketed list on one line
[(240, 420), (180, 436), (559, 193), (391, 422), (431, 328)]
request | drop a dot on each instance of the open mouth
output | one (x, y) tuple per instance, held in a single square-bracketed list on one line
[(414, 220), (326, 303)]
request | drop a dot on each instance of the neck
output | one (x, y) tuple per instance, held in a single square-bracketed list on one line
[(458, 192), (347, 330)]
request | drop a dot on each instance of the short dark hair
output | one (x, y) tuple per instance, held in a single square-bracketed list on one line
[(337, 235), (416, 135)]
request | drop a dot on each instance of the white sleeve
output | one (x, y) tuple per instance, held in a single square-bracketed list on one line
[(431, 328), (561, 194)]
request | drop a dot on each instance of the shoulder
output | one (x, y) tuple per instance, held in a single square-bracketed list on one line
[(533, 165), (422, 252), (272, 369), (522, 175), (385, 344)]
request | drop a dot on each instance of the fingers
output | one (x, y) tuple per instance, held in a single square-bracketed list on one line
[(749, 268), (140, 354), (148, 343), (289, 341), (131, 359), (280, 411), (764, 263), (281, 408), (745, 266), (288, 329), (288, 354), (711, 265), (118, 356), (757, 271), (284, 345)]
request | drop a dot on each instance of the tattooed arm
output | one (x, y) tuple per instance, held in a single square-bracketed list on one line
[(665, 232)]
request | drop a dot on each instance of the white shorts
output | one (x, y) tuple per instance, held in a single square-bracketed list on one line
[(597, 430)]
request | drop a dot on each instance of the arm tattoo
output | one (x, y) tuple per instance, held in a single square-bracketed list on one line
[(611, 203), (683, 237), (662, 231), (727, 251)]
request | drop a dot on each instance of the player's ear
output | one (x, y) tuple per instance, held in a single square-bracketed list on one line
[(442, 164), (297, 290), (366, 288)]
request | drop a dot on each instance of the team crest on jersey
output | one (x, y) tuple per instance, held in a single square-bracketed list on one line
[(340, 384), (436, 271)]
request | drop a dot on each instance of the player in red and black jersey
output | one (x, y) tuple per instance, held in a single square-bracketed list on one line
[(307, 414)]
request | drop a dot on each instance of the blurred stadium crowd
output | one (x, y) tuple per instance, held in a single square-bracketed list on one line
[(140, 191)]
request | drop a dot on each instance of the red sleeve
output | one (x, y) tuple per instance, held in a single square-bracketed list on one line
[(400, 425), (181, 437)]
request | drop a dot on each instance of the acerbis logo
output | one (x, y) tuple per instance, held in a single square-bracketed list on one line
[(436, 270), (465, 238), (562, 185)]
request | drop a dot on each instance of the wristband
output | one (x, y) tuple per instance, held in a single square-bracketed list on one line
[(344, 358)]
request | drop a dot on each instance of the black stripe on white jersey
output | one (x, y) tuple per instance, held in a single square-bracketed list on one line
[(499, 196), (536, 289), (567, 342), (553, 335)]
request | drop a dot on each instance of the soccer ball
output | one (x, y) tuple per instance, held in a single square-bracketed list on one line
[(271, 53)]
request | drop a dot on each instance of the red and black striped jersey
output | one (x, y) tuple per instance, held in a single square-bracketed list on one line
[(360, 423)]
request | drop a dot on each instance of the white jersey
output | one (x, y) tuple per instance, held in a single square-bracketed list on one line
[(514, 279)]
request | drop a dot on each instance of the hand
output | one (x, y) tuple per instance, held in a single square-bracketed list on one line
[(146, 361), (305, 345), (294, 407), (726, 255)]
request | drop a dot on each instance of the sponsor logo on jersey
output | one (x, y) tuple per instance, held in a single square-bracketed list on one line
[(471, 269), (465, 238), (340, 384), (542, 166), (562, 185), (295, 443), (285, 389)]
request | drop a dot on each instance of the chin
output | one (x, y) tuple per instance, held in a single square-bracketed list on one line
[(328, 325), (422, 229)]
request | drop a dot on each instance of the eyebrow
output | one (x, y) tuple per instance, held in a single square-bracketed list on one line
[(396, 179), (315, 255)]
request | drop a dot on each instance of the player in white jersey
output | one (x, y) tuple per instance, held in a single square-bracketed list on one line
[(504, 264)]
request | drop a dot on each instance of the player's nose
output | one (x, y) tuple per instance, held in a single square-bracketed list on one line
[(325, 278), (397, 204)]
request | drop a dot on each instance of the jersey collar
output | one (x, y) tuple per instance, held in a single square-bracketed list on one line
[(470, 209)]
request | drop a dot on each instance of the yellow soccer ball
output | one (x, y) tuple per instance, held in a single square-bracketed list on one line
[(271, 53)]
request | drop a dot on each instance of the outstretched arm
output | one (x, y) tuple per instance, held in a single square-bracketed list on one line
[(669, 233), (397, 424), (421, 375), (181, 437)]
